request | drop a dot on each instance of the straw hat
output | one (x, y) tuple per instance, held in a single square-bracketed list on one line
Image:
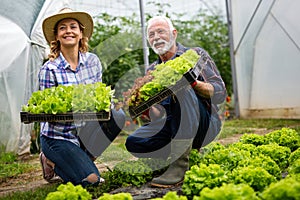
[(84, 18)]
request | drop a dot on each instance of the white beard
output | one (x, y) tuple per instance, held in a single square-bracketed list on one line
[(165, 48)]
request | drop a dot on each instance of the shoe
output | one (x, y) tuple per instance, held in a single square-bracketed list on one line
[(174, 175), (48, 171)]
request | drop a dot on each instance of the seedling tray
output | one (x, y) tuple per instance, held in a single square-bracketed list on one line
[(27, 118), (188, 77)]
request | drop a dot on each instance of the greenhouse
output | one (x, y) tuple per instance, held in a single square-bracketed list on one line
[(255, 153)]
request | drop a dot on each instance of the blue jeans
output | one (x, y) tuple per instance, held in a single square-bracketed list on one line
[(187, 118), (73, 163)]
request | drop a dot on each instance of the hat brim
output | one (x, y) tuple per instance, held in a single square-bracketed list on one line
[(84, 18)]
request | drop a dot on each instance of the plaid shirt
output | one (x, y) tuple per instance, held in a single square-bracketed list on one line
[(210, 74), (59, 72)]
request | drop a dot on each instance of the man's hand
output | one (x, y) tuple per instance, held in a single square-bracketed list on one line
[(145, 115), (156, 111), (204, 89)]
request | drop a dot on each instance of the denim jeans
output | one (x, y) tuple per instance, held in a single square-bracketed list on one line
[(187, 118), (73, 163)]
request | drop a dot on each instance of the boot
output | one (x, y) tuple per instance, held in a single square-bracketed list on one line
[(179, 165)]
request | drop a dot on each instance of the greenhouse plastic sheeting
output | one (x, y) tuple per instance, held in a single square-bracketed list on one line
[(15, 49), (23, 52), (266, 37)]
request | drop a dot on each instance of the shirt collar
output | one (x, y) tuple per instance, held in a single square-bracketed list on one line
[(81, 59), (65, 63)]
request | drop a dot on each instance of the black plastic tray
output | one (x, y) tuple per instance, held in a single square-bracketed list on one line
[(27, 118), (188, 77)]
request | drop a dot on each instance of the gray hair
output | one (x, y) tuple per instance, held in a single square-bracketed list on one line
[(160, 18)]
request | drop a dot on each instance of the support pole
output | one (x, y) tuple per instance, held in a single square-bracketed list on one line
[(145, 48), (232, 58)]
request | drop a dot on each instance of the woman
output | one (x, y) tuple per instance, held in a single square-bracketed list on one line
[(66, 150)]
